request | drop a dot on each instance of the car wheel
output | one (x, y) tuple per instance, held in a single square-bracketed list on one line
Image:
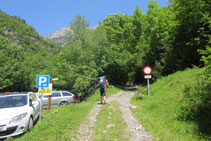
[(63, 103), (31, 124)]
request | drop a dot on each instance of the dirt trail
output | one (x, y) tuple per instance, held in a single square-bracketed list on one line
[(87, 128)]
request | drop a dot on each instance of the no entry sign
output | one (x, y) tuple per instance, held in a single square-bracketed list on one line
[(147, 70)]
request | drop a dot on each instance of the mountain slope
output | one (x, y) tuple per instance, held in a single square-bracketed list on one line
[(60, 36), (23, 54), (16, 29)]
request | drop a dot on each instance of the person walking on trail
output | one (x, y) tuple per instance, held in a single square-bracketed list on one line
[(103, 83)]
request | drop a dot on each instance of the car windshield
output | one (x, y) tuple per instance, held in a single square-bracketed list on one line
[(13, 101)]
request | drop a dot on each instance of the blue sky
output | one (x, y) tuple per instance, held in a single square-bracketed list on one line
[(48, 16)]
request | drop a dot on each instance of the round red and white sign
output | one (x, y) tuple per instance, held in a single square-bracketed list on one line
[(147, 70)]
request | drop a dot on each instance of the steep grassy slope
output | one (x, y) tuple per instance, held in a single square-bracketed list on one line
[(19, 32), (158, 112), (23, 54)]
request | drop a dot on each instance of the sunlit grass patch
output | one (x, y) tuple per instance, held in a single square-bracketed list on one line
[(61, 123), (158, 112)]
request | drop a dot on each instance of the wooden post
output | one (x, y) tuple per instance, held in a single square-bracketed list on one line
[(49, 103), (49, 98)]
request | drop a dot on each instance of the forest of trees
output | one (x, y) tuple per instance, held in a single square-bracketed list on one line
[(166, 38)]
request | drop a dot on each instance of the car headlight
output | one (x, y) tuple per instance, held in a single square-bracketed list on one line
[(18, 118)]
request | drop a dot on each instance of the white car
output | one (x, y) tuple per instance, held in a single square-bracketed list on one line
[(18, 112)]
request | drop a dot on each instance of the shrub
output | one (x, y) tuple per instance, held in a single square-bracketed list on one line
[(196, 103)]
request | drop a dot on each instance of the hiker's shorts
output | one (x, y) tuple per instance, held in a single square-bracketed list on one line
[(102, 92)]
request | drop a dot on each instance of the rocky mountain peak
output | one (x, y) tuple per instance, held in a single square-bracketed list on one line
[(62, 35), (59, 36)]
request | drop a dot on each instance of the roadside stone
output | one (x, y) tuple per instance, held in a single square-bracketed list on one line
[(138, 128), (140, 96), (110, 125), (55, 111), (105, 131), (133, 106)]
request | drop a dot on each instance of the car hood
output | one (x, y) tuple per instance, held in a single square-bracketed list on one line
[(8, 113)]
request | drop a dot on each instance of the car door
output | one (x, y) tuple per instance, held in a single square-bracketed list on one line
[(45, 100), (67, 96), (55, 98), (37, 104)]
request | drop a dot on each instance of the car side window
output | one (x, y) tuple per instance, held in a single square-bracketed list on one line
[(45, 96), (55, 94), (66, 94)]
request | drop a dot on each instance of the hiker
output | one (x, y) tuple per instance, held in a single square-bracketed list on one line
[(103, 83)]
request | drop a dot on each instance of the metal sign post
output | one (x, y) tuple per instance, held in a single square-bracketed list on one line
[(147, 71), (42, 81), (148, 77), (148, 87), (41, 104)]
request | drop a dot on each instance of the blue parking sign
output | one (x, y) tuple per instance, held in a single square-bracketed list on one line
[(42, 81)]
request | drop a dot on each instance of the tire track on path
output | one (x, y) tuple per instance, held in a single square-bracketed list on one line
[(87, 129), (133, 125)]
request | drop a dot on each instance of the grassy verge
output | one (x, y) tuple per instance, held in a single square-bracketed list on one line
[(61, 123), (158, 112), (111, 125)]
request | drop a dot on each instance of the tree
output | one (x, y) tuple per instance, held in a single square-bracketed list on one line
[(79, 26), (185, 38), (12, 71)]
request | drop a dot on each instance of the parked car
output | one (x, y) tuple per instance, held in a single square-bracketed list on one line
[(77, 97), (7, 93), (18, 112), (59, 98)]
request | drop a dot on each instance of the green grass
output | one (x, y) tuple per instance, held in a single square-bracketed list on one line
[(111, 125), (61, 123), (158, 112)]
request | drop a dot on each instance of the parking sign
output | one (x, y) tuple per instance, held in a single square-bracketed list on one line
[(42, 81)]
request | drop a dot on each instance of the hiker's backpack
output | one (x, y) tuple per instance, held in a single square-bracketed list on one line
[(102, 82)]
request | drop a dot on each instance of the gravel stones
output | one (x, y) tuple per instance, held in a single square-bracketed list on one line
[(135, 130)]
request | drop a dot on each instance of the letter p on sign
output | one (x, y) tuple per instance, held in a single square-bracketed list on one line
[(42, 81)]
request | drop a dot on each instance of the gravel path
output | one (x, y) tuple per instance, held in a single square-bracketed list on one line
[(87, 128)]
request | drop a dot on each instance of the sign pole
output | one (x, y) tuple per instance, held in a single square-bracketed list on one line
[(147, 71), (148, 87), (42, 81), (41, 104)]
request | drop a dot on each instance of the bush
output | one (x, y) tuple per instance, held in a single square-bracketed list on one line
[(139, 96), (196, 103)]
